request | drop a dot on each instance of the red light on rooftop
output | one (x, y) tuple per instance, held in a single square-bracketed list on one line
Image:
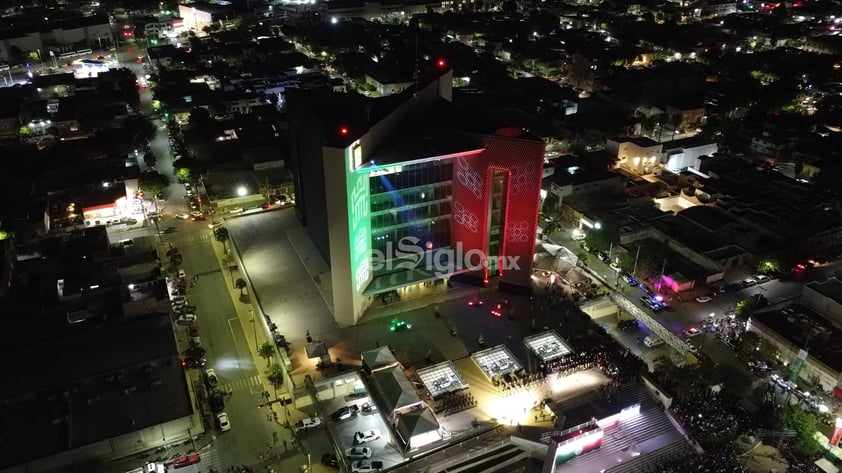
[(343, 131), (441, 63)]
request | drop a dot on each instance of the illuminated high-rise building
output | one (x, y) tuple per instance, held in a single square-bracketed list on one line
[(411, 189)]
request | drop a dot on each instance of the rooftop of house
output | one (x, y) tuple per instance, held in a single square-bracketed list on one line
[(574, 170), (640, 141), (91, 384)]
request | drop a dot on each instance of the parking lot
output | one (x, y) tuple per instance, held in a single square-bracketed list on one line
[(383, 449)]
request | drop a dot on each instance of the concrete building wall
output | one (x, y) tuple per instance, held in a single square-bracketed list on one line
[(813, 368)]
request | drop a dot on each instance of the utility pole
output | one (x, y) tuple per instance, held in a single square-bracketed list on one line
[(634, 269)]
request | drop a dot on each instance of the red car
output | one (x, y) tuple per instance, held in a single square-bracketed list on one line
[(185, 460), (265, 205), (200, 218), (194, 330)]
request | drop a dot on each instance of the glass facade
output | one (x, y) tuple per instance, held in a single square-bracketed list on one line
[(415, 202)]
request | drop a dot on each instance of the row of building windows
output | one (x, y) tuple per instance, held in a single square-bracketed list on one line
[(409, 216), (412, 196), (412, 176), (430, 236)]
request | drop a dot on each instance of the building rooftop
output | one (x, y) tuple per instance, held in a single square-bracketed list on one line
[(89, 385), (830, 288), (806, 329)]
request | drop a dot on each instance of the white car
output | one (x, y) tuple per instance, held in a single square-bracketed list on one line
[(222, 420), (358, 453), (182, 216), (187, 319), (365, 466), (182, 274), (366, 436), (761, 278), (703, 299), (236, 210), (748, 282), (211, 375)]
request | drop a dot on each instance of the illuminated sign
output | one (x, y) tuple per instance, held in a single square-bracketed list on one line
[(359, 224)]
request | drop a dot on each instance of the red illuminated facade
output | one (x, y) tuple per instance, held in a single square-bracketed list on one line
[(495, 205)]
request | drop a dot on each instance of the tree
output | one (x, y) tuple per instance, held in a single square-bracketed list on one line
[(221, 235), (240, 284), (24, 132), (743, 309), (666, 370), (600, 240), (200, 116), (149, 159), (275, 375), (182, 174), (804, 425), (266, 351), (142, 128), (749, 342), (152, 182), (16, 55)]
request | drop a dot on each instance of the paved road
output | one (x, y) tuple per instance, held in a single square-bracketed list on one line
[(224, 337)]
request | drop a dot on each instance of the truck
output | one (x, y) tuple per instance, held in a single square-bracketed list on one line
[(652, 341)]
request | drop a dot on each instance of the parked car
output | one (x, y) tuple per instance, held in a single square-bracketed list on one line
[(236, 210), (629, 279), (329, 459), (345, 413), (222, 421), (210, 375), (761, 278), (369, 406), (185, 460), (182, 274), (703, 299), (187, 318), (366, 436), (748, 282), (358, 453), (190, 361), (182, 216), (308, 423), (365, 466)]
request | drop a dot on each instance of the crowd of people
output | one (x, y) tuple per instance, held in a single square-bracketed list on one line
[(721, 460), (710, 419)]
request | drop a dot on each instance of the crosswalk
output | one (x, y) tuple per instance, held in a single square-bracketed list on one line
[(240, 384), (194, 238)]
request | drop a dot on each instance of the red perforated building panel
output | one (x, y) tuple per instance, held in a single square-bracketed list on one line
[(523, 161)]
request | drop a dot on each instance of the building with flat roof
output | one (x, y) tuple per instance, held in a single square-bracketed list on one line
[(796, 328), (411, 189)]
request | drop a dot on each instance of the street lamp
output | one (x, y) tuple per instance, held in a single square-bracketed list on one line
[(242, 191)]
